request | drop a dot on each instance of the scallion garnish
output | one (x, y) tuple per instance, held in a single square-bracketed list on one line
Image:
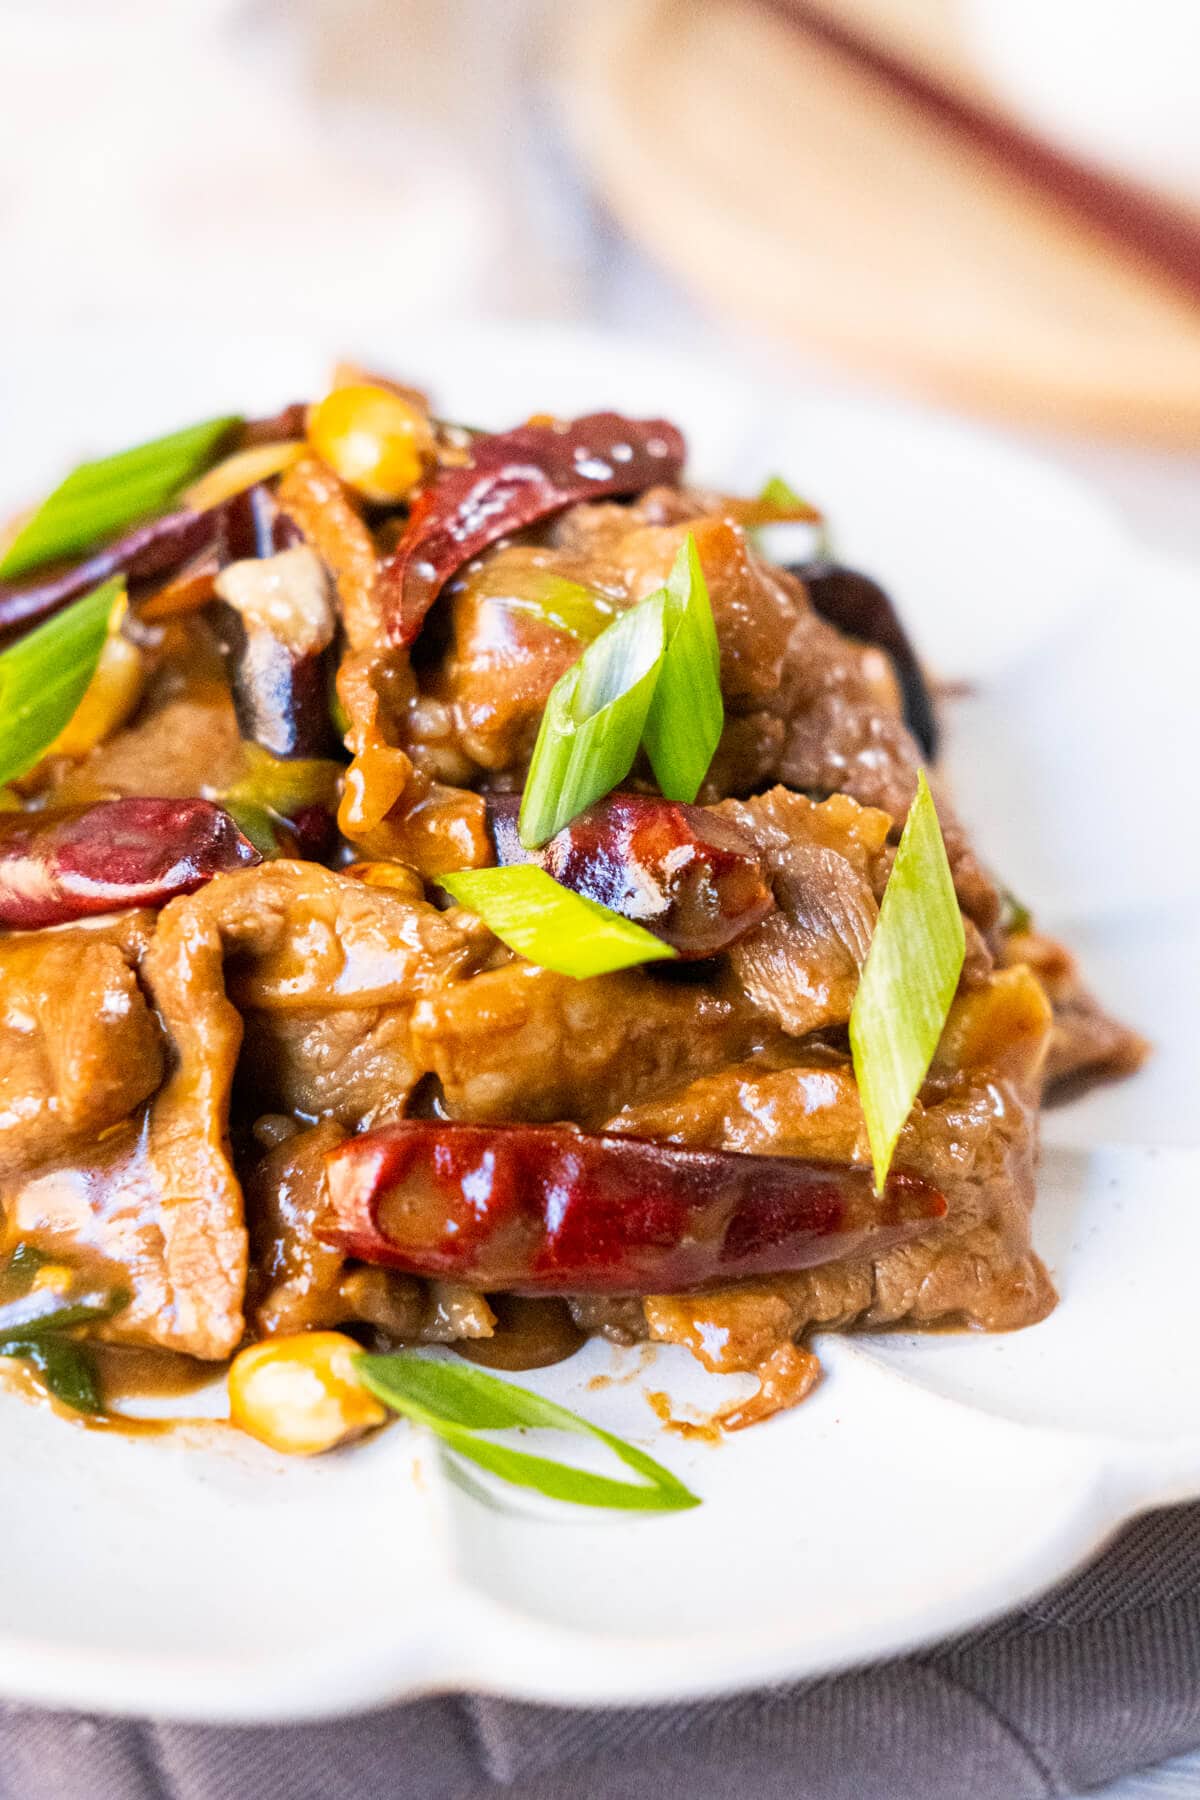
[(30, 1327), (908, 981), (557, 929), (653, 677), (457, 1403), (593, 722), (100, 498), (562, 604), (43, 1310), (780, 498), (67, 1369), (44, 676), (272, 789), (686, 716), (1015, 916), (777, 491)]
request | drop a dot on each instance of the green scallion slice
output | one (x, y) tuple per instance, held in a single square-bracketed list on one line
[(593, 722), (686, 716), (457, 1403), (777, 491), (541, 920), (43, 1311), (908, 981), (67, 1369), (562, 604), (99, 499), (44, 675)]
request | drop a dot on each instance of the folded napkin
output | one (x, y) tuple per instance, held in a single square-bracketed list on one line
[(1096, 1678)]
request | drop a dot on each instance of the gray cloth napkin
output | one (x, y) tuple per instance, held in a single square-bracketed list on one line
[(1098, 1677)]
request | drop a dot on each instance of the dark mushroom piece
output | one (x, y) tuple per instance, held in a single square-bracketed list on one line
[(275, 621), (859, 606)]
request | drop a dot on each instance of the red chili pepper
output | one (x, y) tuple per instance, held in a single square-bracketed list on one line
[(691, 877), (546, 1209), (247, 524), (60, 866), (154, 548), (514, 479)]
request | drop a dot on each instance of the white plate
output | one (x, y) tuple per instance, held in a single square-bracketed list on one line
[(930, 1481)]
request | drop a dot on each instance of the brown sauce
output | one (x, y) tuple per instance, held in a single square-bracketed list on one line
[(19, 1377), (136, 1374), (707, 1430), (530, 1334)]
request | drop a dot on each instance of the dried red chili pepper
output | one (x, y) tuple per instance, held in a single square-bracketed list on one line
[(514, 479), (154, 548), (248, 524), (64, 865), (546, 1209), (691, 877)]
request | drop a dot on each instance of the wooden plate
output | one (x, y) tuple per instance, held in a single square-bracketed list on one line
[(806, 196)]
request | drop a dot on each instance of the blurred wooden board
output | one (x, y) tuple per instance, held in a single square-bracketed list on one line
[(797, 191)]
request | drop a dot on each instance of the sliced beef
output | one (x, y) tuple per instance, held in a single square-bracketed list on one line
[(296, 1284), (524, 1043), (775, 1104), (325, 970), (313, 498), (79, 1047), (352, 1064), (975, 1268), (155, 1207), (973, 1134), (159, 1203), (1086, 1043), (628, 551), (183, 740), (801, 965), (838, 743), (504, 657)]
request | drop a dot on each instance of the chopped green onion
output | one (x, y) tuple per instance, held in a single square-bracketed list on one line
[(565, 605), (29, 1326), (256, 823), (653, 677), (1015, 916), (778, 492), (908, 981), (282, 784), (44, 676), (593, 722), (530, 912), (22, 1266), (42, 1310), (686, 717), (66, 1368), (457, 1402), (100, 498), (272, 789)]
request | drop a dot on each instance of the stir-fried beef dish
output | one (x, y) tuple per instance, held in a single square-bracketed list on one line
[(455, 889)]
